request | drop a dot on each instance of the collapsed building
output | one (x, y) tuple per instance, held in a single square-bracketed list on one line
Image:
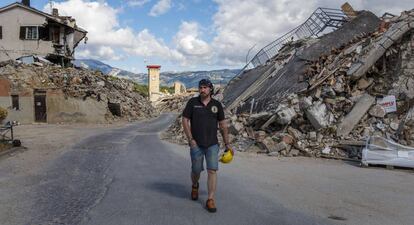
[(35, 86), (49, 93), (25, 30), (318, 93)]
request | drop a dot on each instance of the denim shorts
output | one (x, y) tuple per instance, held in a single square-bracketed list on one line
[(197, 158)]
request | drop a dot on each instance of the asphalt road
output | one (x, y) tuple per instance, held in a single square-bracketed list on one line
[(129, 176)]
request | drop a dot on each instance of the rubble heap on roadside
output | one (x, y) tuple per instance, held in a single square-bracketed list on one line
[(361, 89), (82, 84), (174, 103)]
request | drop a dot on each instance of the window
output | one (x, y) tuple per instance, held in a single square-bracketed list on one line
[(29, 33), (32, 33), (1, 32), (15, 102)]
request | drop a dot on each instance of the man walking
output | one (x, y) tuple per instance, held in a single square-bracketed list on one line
[(201, 116)]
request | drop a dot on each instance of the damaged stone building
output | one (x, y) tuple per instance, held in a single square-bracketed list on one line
[(49, 93), (36, 86), (25, 31)]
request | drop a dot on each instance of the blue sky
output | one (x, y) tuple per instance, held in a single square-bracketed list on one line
[(190, 34)]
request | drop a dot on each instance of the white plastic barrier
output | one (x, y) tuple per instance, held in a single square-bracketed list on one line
[(380, 151)]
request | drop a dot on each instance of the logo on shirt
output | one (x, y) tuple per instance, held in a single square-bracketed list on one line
[(214, 109)]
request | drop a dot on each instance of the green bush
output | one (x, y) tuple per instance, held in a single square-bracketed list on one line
[(169, 90), (141, 89), (3, 113)]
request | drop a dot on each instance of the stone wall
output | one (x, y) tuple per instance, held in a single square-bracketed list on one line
[(71, 110)]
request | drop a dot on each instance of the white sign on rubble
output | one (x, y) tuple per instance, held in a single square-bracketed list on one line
[(389, 103)]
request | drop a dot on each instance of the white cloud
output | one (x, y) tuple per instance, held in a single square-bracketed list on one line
[(105, 34), (161, 7), (240, 24), (188, 42), (137, 2), (107, 53), (237, 26)]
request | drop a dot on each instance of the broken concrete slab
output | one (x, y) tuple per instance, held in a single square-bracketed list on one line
[(395, 32), (352, 118)]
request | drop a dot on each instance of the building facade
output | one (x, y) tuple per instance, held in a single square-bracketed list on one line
[(27, 31)]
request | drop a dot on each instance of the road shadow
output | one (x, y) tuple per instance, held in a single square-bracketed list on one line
[(177, 190), (352, 163)]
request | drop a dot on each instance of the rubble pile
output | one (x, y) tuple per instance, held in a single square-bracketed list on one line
[(81, 84), (175, 133), (362, 88), (174, 103)]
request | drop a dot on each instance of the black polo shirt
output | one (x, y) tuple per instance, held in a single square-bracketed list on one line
[(204, 120)]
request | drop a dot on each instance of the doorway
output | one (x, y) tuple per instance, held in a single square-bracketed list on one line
[(40, 106)]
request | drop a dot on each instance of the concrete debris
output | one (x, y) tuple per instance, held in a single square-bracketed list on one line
[(173, 104), (269, 145), (285, 115), (313, 101), (377, 111), (318, 115), (353, 117), (364, 83)]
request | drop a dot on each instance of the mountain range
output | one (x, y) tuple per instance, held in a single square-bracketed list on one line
[(188, 78)]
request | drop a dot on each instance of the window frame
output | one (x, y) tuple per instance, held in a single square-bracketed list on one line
[(27, 33)]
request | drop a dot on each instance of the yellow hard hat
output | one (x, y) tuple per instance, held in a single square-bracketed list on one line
[(226, 157)]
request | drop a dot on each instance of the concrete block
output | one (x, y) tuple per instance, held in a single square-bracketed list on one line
[(282, 146), (294, 152), (288, 139), (352, 118), (295, 133), (285, 116), (269, 144), (377, 111), (318, 115)]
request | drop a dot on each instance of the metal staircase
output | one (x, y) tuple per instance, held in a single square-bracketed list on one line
[(320, 19)]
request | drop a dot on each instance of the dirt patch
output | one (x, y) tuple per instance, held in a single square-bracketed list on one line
[(4, 147)]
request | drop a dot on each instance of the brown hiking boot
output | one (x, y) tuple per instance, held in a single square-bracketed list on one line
[(211, 206), (194, 192)]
